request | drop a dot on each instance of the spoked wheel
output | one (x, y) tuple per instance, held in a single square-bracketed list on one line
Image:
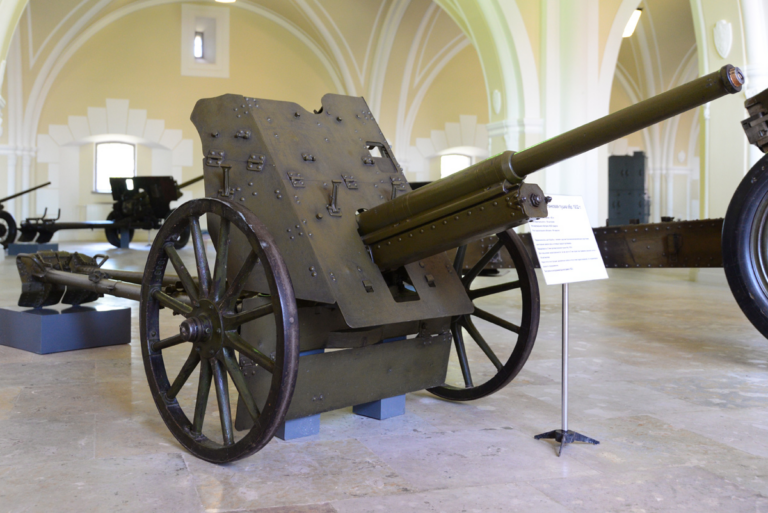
[(183, 238), (745, 245), (492, 344), (7, 229), (202, 339)]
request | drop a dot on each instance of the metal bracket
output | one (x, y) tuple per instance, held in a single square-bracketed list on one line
[(368, 161), (333, 208), (296, 180), (255, 162), (226, 192), (308, 157), (397, 185), (243, 134), (368, 285), (214, 158), (349, 181), (756, 125), (97, 276)]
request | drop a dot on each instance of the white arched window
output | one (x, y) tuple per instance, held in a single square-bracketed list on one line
[(458, 158), (113, 159)]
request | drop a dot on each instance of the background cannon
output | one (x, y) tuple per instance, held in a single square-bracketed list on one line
[(141, 203), (330, 285), (8, 227)]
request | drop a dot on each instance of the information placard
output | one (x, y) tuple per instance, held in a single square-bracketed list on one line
[(565, 243)]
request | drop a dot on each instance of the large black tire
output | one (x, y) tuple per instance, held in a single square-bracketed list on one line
[(745, 245), (7, 229), (113, 234)]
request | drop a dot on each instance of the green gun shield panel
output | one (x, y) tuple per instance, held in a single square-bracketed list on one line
[(284, 161)]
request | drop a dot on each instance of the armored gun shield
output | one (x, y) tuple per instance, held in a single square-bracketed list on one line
[(307, 176)]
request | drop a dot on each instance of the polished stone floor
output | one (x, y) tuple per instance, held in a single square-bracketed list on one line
[(665, 372)]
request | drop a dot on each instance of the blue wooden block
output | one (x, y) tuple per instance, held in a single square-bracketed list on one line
[(125, 238), (305, 426), (383, 408), (297, 428), (18, 248), (62, 328)]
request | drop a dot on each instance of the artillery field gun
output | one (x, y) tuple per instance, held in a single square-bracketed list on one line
[(8, 228), (328, 283), (141, 203)]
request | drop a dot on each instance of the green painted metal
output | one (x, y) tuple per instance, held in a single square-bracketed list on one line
[(515, 166)]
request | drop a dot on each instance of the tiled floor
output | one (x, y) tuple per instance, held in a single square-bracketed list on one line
[(665, 372)]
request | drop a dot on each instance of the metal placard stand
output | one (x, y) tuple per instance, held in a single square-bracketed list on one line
[(565, 435), (567, 252)]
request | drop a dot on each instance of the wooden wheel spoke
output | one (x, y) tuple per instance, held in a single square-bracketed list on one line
[(498, 321), (239, 344), (181, 270), (239, 380), (201, 259), (237, 285), (172, 303), (203, 390), (472, 274), (184, 374), (458, 262), (233, 321), (480, 341), (458, 341), (222, 396), (494, 289), (175, 340), (220, 267)]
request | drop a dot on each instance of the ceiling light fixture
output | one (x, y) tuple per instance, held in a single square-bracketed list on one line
[(632, 23), (226, 1)]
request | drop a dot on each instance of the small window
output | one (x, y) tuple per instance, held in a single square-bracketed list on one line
[(113, 159), (450, 164), (198, 48)]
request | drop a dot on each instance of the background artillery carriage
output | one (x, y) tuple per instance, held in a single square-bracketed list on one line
[(140, 203), (330, 284), (8, 228)]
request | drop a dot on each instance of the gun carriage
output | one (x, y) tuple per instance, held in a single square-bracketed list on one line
[(140, 203), (327, 282), (8, 228)]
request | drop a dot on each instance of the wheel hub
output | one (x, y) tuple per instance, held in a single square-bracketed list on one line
[(194, 329), (204, 328)]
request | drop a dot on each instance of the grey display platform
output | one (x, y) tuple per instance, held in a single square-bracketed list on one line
[(62, 328), (18, 248)]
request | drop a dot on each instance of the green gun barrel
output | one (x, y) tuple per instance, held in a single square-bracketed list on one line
[(513, 167)]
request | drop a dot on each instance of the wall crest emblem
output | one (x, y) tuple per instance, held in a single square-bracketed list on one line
[(723, 38)]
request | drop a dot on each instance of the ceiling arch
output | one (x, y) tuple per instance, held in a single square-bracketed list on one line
[(76, 37)]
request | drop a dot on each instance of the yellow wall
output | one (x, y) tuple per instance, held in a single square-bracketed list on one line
[(138, 58), (458, 89)]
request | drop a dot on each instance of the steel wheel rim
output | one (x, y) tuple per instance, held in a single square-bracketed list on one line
[(7, 228), (759, 244), (285, 358), (4, 230), (528, 326)]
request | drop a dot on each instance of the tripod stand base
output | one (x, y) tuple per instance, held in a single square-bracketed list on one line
[(565, 437)]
